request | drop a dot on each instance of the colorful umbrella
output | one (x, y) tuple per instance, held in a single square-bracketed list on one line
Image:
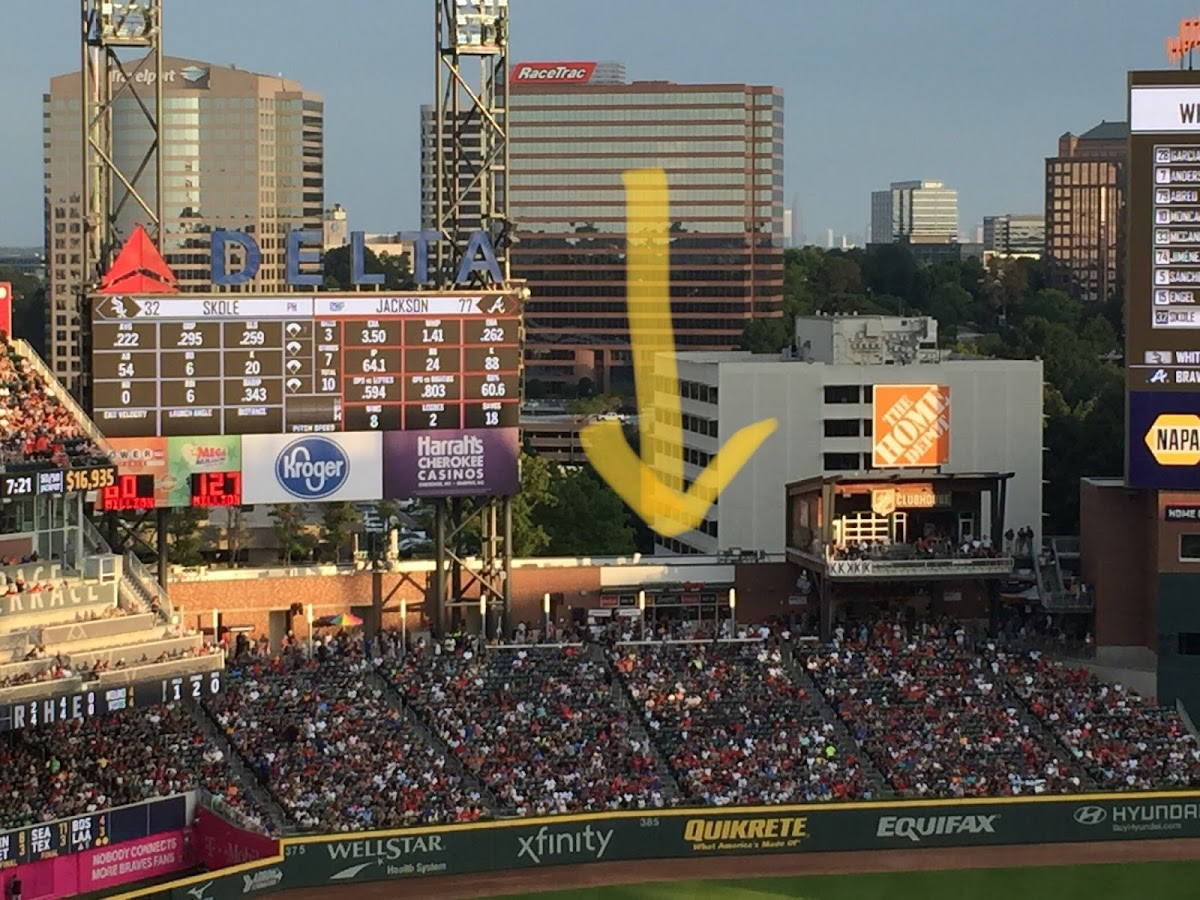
[(342, 620)]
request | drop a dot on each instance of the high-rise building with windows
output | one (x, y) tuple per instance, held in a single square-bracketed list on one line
[(1015, 234), (914, 211), (241, 151), (573, 129), (1085, 212)]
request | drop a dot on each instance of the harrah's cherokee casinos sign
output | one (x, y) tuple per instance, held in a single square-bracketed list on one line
[(911, 425), (552, 73)]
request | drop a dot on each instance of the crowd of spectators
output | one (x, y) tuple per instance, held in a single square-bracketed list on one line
[(541, 727), (735, 727), (330, 748), (933, 545), (937, 719), (915, 710), (83, 765), (34, 425), (1123, 741)]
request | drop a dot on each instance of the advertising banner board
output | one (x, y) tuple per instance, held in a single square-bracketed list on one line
[(466, 462), (310, 468), (911, 425), (331, 860)]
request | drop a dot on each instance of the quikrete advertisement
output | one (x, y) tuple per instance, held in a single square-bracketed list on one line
[(683, 834), (747, 835)]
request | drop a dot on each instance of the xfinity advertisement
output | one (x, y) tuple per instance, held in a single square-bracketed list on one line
[(452, 463)]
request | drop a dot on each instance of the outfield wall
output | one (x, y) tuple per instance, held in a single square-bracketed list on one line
[(329, 861)]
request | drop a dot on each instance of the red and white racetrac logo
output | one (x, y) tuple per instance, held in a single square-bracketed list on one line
[(552, 73)]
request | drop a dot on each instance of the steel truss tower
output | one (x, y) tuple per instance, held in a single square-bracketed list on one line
[(470, 123), (121, 64)]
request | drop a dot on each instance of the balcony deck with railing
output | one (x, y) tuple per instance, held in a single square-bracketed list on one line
[(903, 565)]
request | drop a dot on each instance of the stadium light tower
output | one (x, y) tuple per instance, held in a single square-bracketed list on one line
[(121, 65), (470, 168)]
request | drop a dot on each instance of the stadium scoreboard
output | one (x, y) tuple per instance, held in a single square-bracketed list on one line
[(236, 364)]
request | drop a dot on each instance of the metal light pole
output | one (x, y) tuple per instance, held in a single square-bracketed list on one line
[(732, 613)]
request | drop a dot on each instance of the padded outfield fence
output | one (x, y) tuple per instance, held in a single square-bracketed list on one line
[(330, 861)]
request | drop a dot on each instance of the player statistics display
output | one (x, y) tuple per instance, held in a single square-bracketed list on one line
[(211, 365)]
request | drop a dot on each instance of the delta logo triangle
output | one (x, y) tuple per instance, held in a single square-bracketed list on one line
[(139, 269)]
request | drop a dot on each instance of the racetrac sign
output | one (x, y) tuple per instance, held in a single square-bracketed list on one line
[(552, 73), (911, 425)]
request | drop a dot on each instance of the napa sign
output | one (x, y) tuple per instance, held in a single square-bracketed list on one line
[(304, 249)]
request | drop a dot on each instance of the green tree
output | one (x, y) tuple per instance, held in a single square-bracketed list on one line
[(236, 534), (184, 541), (765, 336), (594, 405), (28, 308), (953, 306), (397, 275), (587, 517), (529, 533), (290, 531), (337, 525)]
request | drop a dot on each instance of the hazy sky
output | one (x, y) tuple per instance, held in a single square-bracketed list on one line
[(972, 93)]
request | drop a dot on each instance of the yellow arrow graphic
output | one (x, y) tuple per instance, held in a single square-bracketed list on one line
[(653, 484)]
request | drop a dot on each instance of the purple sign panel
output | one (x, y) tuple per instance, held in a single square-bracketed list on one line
[(468, 462)]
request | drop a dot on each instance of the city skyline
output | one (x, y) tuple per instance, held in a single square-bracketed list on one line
[(901, 104)]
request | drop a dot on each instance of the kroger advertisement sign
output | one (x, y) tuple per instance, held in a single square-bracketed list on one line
[(312, 468), (464, 462)]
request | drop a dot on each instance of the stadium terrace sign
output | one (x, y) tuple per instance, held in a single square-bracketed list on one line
[(303, 248)]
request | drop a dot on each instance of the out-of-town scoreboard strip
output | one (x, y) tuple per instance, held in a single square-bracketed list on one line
[(250, 364)]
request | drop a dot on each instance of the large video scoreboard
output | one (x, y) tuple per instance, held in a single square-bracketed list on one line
[(294, 364), (1162, 348)]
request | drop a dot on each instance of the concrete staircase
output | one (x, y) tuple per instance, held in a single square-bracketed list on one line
[(245, 779), (392, 698), (880, 786), (637, 727)]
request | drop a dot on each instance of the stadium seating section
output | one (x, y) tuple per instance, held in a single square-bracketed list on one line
[(366, 736), (35, 426)]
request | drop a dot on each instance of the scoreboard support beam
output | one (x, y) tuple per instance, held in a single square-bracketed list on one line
[(163, 566), (121, 67)]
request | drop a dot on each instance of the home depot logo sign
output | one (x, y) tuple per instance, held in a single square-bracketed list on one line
[(911, 425)]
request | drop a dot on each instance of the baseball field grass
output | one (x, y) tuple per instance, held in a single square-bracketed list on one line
[(1099, 882)]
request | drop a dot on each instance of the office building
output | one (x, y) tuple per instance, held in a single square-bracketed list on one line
[(570, 140), (1085, 212), (919, 211), (829, 422), (241, 151), (1015, 235)]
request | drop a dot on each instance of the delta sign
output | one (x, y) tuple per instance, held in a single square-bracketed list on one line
[(304, 248)]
